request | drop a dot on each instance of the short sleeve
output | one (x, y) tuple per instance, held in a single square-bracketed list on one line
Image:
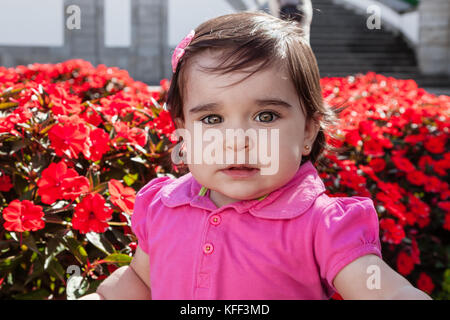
[(140, 219), (347, 229)]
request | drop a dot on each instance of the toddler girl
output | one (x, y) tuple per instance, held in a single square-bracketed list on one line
[(252, 229)]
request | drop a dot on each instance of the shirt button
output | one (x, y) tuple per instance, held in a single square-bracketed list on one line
[(215, 219), (208, 248)]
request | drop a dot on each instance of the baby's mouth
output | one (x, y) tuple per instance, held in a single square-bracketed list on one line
[(241, 167), (240, 171)]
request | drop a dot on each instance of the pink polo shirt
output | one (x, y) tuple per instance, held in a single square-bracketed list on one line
[(289, 245)]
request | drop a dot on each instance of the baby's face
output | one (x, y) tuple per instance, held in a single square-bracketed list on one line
[(244, 106)]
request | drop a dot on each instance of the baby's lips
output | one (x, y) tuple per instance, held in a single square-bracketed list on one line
[(240, 166)]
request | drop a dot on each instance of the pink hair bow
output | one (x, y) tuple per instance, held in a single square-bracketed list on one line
[(179, 50)]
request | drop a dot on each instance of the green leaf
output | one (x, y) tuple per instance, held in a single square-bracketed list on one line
[(139, 148), (55, 269), (54, 247), (120, 258), (130, 179), (19, 144), (31, 243), (38, 270), (40, 294), (10, 263), (76, 249), (7, 105), (93, 178), (120, 237), (138, 159), (9, 92), (159, 145), (100, 242), (100, 188)]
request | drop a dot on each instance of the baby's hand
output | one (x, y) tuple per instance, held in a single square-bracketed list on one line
[(92, 296), (126, 283)]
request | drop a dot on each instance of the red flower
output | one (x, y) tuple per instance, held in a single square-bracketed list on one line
[(353, 138), (59, 182), (433, 184), (423, 221), (444, 205), (73, 187), (377, 164), (337, 296), (403, 164), (396, 209), (165, 84), (164, 125), (365, 169), (447, 221), (405, 264), (91, 214), (425, 283), (436, 144), (373, 148), (5, 183), (63, 103), (91, 116), (100, 144), (133, 135), (415, 252), (70, 137), (416, 177), (414, 138), (132, 246), (424, 161), (393, 233), (121, 196), (49, 185), (111, 268), (419, 208), (394, 191), (23, 216)]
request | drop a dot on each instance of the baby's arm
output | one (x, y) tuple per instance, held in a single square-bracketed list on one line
[(126, 283), (352, 282)]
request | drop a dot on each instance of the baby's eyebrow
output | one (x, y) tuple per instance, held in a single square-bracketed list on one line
[(213, 106)]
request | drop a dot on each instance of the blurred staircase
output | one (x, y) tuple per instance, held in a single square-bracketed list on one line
[(344, 45)]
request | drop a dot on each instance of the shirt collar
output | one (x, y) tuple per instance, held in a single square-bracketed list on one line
[(292, 199)]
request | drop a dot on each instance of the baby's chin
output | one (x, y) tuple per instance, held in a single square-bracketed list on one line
[(238, 196)]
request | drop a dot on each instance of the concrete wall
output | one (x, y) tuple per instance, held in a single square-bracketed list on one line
[(433, 51), (146, 59)]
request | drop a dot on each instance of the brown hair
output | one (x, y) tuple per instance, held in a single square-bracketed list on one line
[(261, 40)]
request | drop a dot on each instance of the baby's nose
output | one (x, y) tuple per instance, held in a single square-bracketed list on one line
[(239, 139), (237, 143)]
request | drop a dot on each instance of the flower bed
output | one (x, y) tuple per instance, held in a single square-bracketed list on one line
[(396, 140), (77, 141)]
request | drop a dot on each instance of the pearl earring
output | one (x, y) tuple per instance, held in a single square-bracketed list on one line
[(307, 149)]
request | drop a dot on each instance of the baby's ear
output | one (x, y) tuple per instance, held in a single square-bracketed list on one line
[(312, 129)]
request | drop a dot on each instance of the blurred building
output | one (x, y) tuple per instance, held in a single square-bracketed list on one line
[(139, 35)]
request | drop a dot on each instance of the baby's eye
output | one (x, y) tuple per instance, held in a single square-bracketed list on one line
[(267, 116), (214, 118)]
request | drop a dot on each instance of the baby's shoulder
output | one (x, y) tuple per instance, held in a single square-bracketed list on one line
[(150, 194), (154, 186), (341, 210)]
